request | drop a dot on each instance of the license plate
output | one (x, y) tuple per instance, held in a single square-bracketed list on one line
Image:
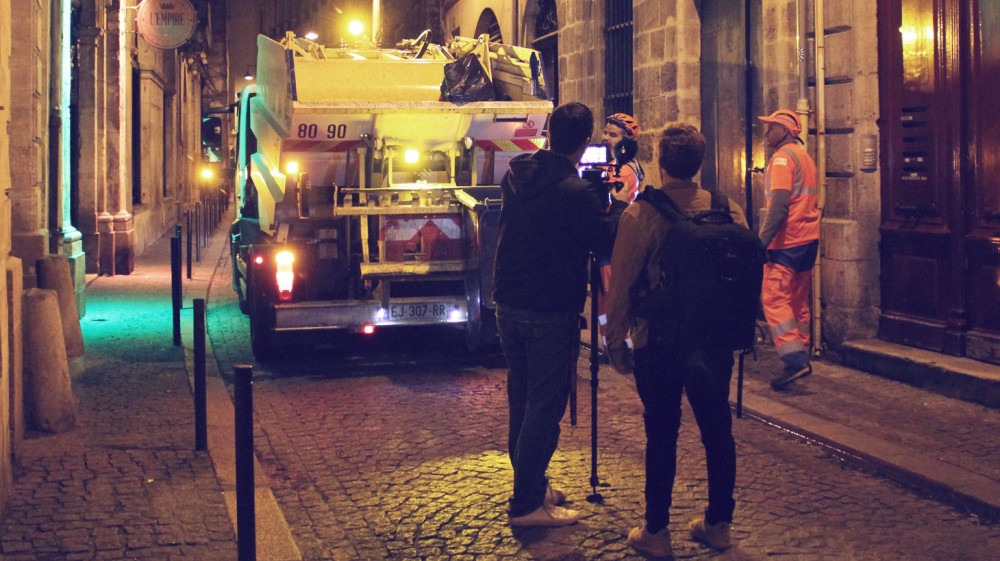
[(402, 312)]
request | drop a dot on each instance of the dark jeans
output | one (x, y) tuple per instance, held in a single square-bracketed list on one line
[(661, 375), (541, 351)]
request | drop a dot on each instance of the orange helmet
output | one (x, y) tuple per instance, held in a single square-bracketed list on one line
[(626, 122), (785, 118)]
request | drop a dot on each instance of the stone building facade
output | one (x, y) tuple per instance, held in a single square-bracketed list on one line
[(909, 247), (6, 318), (100, 141)]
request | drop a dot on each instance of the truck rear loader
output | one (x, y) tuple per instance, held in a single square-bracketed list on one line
[(362, 201)]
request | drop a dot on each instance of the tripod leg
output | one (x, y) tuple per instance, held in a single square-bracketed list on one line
[(595, 286), (572, 388)]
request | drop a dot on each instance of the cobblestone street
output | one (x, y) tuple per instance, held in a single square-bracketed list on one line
[(396, 450), (407, 462)]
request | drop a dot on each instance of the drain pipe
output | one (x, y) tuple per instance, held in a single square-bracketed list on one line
[(748, 116), (817, 308), (802, 105)]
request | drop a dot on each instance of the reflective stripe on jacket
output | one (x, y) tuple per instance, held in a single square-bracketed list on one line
[(792, 168)]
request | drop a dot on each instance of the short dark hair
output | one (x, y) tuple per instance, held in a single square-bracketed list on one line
[(570, 126), (682, 149)]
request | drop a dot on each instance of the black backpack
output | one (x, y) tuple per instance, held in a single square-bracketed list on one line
[(711, 270)]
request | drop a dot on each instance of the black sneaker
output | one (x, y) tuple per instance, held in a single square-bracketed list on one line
[(789, 376)]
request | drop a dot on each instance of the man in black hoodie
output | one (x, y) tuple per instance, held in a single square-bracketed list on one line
[(550, 222)]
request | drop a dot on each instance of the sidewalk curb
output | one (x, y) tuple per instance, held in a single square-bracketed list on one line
[(958, 377), (274, 537), (971, 491)]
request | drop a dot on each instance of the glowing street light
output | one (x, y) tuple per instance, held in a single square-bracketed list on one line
[(356, 28), (311, 35)]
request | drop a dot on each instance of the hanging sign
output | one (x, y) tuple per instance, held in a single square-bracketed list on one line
[(166, 24)]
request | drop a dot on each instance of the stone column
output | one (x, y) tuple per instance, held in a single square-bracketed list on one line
[(9, 403), (91, 169), (66, 239), (117, 251), (30, 67)]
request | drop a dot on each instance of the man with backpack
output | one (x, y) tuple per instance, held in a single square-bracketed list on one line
[(682, 333), (790, 233)]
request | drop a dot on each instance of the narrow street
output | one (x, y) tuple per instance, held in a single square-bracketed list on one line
[(394, 449), (404, 457)]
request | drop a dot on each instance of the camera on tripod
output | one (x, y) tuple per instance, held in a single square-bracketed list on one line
[(601, 165)]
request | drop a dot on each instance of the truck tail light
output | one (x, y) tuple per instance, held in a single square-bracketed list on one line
[(368, 329), (284, 274)]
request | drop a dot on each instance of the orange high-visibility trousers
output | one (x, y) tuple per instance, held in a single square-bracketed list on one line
[(785, 296)]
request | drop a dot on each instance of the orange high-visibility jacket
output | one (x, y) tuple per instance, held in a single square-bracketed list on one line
[(793, 169)]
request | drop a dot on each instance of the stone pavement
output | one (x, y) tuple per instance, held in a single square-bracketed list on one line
[(407, 462), (126, 483)]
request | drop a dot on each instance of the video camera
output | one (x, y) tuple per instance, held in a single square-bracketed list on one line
[(598, 158)]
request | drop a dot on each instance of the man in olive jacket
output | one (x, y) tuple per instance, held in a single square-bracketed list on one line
[(550, 222), (663, 373)]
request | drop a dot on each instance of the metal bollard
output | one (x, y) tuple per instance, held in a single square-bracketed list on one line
[(246, 530), (187, 216), (200, 409), (204, 224), (175, 287), (197, 229)]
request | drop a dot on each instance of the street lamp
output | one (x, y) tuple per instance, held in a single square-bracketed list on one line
[(311, 35), (355, 28), (249, 75)]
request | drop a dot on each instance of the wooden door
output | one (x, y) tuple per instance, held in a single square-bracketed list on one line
[(723, 111), (941, 175), (922, 262), (981, 157)]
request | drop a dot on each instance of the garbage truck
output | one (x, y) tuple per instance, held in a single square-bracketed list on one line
[(366, 183)]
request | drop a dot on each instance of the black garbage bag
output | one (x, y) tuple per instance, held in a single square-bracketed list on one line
[(465, 80)]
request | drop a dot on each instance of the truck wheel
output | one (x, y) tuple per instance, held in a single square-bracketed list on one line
[(482, 335), (239, 284), (481, 326), (262, 336), (244, 306)]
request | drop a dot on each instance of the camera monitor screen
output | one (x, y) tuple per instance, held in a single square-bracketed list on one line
[(596, 154)]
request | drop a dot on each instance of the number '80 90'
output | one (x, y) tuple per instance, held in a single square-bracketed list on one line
[(307, 130)]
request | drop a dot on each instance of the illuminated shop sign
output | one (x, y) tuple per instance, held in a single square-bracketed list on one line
[(166, 24)]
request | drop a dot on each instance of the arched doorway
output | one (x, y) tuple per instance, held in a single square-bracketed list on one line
[(489, 24)]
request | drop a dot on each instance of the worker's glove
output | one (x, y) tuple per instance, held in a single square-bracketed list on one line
[(620, 357)]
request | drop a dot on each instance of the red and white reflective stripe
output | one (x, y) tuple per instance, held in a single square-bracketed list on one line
[(406, 229), (515, 145), (318, 145)]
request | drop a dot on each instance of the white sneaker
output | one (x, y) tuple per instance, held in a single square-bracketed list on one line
[(548, 516), (715, 536), (553, 496), (656, 545)]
